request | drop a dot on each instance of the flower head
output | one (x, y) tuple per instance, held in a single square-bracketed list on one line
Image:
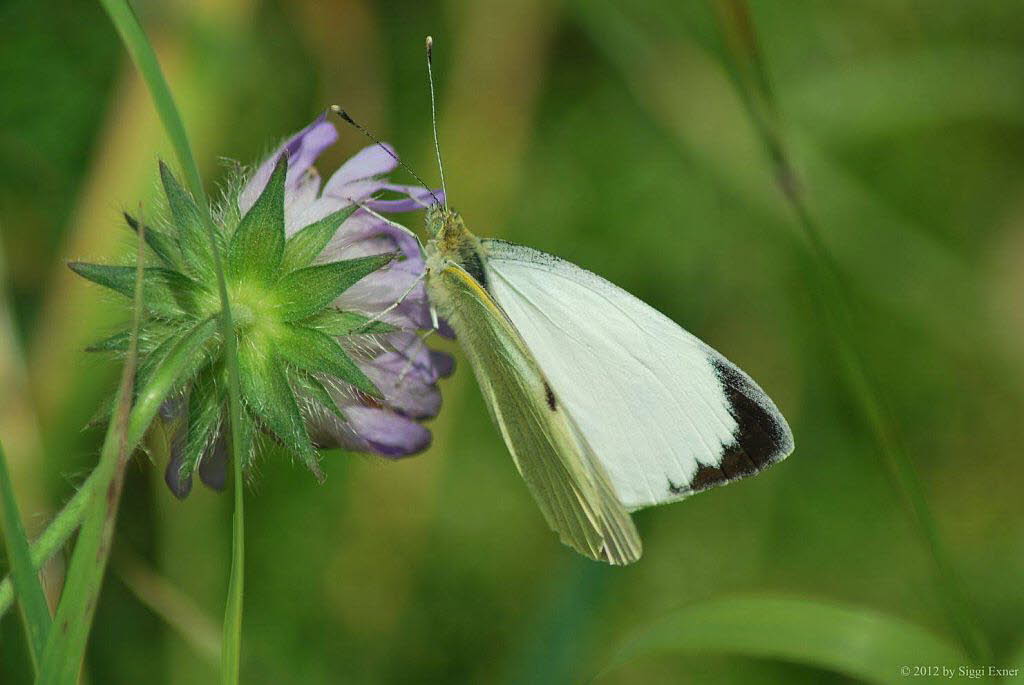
[(326, 301)]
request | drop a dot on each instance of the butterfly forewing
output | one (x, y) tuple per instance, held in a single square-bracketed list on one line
[(665, 414)]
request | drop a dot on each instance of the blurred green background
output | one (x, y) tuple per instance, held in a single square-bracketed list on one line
[(608, 133)]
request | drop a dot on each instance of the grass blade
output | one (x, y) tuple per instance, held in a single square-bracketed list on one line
[(54, 537), (34, 610), (134, 38), (135, 41), (860, 643), (751, 75), (65, 646)]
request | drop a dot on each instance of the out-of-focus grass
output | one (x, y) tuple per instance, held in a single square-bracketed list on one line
[(864, 645), (630, 154), (32, 606)]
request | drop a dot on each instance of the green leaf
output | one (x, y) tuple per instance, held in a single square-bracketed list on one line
[(860, 643), (34, 611), (154, 332), (305, 292), (204, 417), (258, 243), (115, 343), (338, 323), (193, 239), (166, 292), (162, 244), (152, 361), (303, 247), (267, 392), (184, 356), (316, 352), (311, 386)]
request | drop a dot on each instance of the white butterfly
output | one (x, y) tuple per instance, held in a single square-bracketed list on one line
[(606, 405)]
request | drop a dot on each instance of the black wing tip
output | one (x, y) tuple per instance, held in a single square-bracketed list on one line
[(762, 436), (762, 433)]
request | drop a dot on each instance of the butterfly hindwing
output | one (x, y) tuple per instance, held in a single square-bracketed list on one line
[(561, 470)]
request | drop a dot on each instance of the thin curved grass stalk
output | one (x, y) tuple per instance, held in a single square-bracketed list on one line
[(178, 610), (34, 610), (65, 646), (134, 38), (750, 73)]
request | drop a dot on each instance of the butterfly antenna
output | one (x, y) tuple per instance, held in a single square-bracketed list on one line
[(362, 129), (433, 115)]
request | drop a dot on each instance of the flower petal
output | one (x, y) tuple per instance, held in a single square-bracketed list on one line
[(412, 350), (357, 191), (387, 433), (172, 476), (443, 362), (302, 149), (380, 290), (407, 376), (363, 226), (418, 198), (299, 199), (302, 216), (445, 330), (173, 412), (369, 162), (396, 378), (213, 468)]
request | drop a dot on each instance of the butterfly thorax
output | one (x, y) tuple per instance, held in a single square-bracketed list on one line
[(451, 242)]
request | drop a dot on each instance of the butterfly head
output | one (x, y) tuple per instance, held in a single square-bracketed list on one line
[(443, 222)]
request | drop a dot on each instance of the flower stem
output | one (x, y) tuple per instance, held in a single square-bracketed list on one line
[(232, 640), (750, 73), (134, 38)]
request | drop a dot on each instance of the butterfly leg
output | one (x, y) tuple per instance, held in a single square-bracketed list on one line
[(394, 224), (394, 305)]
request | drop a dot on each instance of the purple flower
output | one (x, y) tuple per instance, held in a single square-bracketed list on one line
[(399, 363)]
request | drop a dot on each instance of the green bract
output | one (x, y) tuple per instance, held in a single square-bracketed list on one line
[(281, 304)]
